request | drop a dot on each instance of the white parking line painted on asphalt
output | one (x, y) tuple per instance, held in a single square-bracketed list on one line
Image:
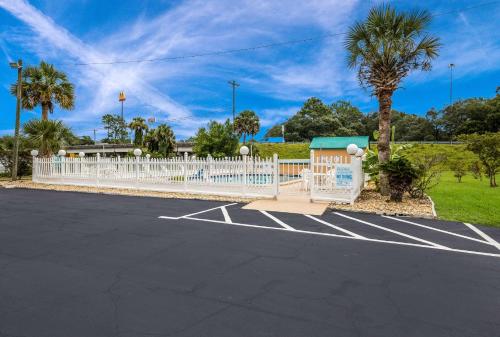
[(483, 235), (335, 227), (338, 236), (278, 221), (392, 231), (200, 212), (437, 229), (226, 214)]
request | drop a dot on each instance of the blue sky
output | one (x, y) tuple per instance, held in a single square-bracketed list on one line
[(274, 82)]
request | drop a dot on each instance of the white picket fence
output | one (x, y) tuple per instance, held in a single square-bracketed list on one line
[(322, 178), (247, 177)]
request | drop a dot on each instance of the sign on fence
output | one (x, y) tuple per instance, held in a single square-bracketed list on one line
[(343, 176)]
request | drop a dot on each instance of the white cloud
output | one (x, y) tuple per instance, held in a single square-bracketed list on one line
[(214, 25), (271, 117), (106, 80), (176, 89)]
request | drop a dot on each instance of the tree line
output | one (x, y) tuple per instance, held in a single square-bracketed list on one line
[(341, 118)]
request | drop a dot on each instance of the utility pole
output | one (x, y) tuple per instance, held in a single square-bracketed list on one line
[(234, 84), (451, 66), (19, 66)]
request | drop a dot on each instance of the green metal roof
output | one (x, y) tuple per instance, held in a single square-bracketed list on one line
[(339, 142)]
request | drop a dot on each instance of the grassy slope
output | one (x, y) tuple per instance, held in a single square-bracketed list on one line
[(469, 201), (284, 151)]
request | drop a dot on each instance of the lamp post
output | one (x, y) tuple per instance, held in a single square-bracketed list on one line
[(19, 66), (34, 154), (451, 66), (352, 149), (244, 152)]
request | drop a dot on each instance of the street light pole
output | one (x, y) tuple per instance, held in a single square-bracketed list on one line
[(451, 66), (19, 66)]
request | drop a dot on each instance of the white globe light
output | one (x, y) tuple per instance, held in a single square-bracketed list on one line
[(360, 153), (148, 156), (34, 153), (81, 154), (352, 149), (137, 152), (244, 150), (61, 153)]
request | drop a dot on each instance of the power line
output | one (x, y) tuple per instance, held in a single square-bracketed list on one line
[(262, 46), (214, 53)]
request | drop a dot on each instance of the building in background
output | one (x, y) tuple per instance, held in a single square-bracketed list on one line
[(336, 146)]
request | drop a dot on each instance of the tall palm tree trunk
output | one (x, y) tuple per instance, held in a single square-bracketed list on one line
[(383, 145), (45, 112)]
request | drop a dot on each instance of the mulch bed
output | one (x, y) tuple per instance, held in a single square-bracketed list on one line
[(372, 202)]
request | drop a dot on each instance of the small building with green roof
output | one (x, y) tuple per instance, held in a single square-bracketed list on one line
[(336, 146)]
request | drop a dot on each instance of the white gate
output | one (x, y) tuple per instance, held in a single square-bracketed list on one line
[(336, 178), (294, 176)]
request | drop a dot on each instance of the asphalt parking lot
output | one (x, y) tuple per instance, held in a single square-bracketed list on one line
[(75, 264)]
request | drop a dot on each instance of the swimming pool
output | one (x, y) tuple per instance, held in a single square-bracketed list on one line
[(257, 179)]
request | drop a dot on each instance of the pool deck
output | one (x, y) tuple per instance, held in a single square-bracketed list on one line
[(290, 200)]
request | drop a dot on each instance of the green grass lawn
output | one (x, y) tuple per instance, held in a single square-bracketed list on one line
[(470, 201), (284, 151)]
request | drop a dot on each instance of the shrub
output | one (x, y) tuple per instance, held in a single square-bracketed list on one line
[(487, 148), (371, 164), (459, 168), (429, 168), (401, 174), (476, 168)]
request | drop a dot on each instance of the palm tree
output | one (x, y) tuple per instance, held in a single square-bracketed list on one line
[(384, 49), (49, 136), (161, 139), (45, 86), (246, 123), (139, 126), (165, 139)]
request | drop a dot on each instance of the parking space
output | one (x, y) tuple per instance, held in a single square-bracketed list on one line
[(78, 264), (420, 233)]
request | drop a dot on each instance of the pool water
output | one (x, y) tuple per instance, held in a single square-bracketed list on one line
[(256, 179)]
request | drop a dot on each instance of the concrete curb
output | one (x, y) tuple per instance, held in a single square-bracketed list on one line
[(434, 213), (421, 216)]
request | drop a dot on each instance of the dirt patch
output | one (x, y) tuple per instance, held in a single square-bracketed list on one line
[(372, 202), (119, 191)]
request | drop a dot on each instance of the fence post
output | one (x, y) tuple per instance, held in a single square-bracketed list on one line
[(63, 166), (355, 177), (185, 170), (34, 169), (245, 177), (311, 178), (98, 168), (276, 174), (209, 175), (137, 158)]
